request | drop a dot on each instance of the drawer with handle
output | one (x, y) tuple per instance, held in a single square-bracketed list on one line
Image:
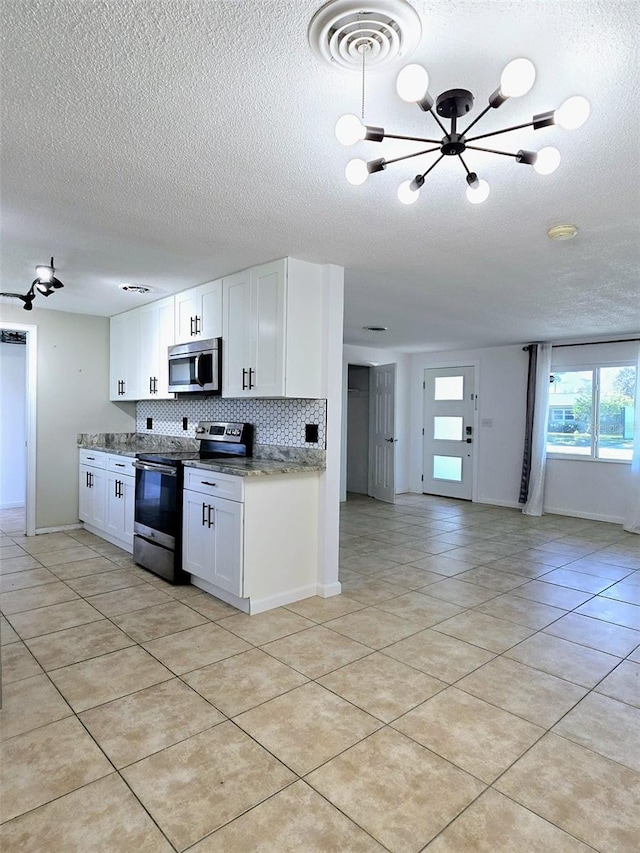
[(121, 465), (213, 484), (94, 458)]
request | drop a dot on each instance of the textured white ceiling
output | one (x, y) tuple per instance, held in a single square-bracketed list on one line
[(169, 142)]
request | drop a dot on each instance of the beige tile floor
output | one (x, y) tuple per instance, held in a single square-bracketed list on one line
[(476, 687)]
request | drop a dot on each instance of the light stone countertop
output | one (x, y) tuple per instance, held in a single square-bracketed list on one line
[(254, 467)]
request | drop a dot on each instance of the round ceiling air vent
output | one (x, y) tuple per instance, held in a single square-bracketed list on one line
[(341, 31), (562, 232), (136, 288)]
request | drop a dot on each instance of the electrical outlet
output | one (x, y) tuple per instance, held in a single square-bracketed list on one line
[(185, 423), (311, 433), (149, 423)]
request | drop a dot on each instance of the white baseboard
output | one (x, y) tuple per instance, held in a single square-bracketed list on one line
[(228, 597), (18, 505), (508, 504), (327, 590), (60, 529), (589, 516), (259, 605), (120, 543)]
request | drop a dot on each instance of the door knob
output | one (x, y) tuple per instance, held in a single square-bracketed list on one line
[(391, 440)]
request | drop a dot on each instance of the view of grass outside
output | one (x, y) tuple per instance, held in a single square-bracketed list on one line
[(575, 396)]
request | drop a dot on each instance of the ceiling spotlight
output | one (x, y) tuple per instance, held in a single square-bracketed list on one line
[(452, 106)]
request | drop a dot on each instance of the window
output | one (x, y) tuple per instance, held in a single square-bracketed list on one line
[(591, 413)]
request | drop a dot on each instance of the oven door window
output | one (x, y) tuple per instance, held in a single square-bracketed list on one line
[(156, 501), (189, 371)]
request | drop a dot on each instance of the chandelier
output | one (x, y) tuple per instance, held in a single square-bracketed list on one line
[(452, 106)]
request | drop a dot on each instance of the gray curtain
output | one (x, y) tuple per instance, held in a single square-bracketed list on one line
[(528, 430)]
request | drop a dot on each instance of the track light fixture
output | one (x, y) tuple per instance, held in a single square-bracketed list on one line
[(45, 283), (412, 86)]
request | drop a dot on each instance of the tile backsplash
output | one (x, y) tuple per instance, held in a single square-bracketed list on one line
[(280, 422)]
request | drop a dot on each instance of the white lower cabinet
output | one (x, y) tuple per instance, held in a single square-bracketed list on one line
[(106, 496), (251, 541), (213, 532), (93, 496)]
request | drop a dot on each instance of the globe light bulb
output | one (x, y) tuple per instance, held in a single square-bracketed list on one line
[(477, 195), (412, 83), (356, 172), (406, 194), (44, 273), (573, 113), (547, 161), (517, 78), (349, 130)]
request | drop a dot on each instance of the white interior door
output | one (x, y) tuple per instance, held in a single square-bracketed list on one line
[(382, 440), (449, 406)]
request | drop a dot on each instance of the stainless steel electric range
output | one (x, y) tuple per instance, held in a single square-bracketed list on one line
[(157, 540)]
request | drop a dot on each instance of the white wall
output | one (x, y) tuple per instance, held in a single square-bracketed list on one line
[(501, 384), (72, 397), (13, 471), (370, 357)]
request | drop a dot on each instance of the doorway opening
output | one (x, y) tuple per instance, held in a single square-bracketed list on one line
[(18, 349), (371, 441)]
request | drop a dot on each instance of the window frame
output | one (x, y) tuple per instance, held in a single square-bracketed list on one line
[(595, 369)]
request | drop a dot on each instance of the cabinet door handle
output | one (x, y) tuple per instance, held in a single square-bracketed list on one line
[(198, 325), (155, 385), (209, 520), (120, 465), (191, 332), (90, 475), (204, 513), (207, 483), (123, 386), (244, 378), (251, 383), (86, 479)]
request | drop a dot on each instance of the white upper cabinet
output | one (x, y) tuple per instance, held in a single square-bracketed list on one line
[(156, 335), (124, 357), (198, 312), (272, 331)]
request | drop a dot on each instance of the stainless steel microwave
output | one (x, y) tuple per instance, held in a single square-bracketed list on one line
[(196, 367)]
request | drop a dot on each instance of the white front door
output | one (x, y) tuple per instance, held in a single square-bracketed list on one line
[(382, 440), (449, 405)]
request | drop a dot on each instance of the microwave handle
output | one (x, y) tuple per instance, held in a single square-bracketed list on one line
[(197, 366)]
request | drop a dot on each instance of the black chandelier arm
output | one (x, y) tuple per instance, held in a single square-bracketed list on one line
[(432, 166), (496, 132), (415, 154), (466, 168), (490, 151), (412, 138), (477, 119), (440, 125)]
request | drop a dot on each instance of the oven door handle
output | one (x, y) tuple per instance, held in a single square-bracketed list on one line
[(161, 469)]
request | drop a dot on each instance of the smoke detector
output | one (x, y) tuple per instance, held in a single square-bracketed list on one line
[(136, 288), (562, 232), (342, 31)]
